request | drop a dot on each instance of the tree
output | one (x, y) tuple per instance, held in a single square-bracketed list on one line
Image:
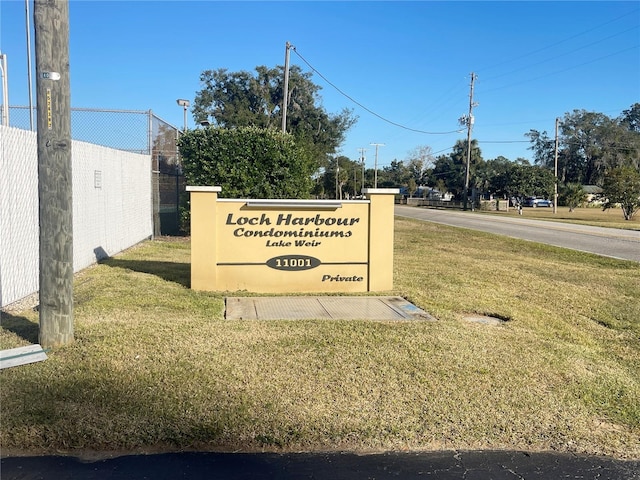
[(496, 172), (573, 195), (475, 160), (621, 187), (394, 175), (449, 173), (411, 187), (418, 161), (543, 148), (241, 99), (531, 181), (589, 144), (631, 118), (341, 175)]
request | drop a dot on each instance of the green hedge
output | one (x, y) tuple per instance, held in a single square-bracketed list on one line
[(247, 162)]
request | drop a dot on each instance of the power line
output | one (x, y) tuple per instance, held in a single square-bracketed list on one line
[(563, 54), (563, 70), (367, 109), (562, 41)]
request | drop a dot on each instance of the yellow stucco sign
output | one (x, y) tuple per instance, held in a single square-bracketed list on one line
[(291, 246)]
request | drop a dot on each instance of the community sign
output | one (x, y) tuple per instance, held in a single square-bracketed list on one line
[(289, 246)]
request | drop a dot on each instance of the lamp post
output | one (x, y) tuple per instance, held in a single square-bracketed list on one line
[(184, 104)]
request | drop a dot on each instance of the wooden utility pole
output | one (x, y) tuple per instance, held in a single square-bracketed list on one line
[(469, 121), (362, 150), (375, 167), (555, 171), (51, 21), (285, 93)]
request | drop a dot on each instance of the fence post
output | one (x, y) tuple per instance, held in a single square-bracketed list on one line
[(155, 180)]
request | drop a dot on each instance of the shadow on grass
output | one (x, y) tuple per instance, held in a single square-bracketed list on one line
[(21, 326), (170, 271)]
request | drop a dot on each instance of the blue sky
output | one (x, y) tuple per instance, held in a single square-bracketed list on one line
[(409, 62)]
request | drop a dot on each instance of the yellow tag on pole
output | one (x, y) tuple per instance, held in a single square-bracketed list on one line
[(49, 116)]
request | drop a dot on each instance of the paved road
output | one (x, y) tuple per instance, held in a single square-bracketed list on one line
[(445, 465), (609, 242)]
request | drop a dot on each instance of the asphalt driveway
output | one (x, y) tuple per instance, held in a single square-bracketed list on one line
[(443, 465)]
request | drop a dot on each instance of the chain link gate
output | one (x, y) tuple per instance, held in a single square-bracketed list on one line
[(133, 131)]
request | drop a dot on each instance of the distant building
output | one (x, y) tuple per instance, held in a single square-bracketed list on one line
[(594, 194)]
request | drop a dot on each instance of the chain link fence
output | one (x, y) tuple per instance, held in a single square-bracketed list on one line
[(134, 131)]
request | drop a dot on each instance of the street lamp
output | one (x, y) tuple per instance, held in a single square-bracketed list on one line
[(185, 104)]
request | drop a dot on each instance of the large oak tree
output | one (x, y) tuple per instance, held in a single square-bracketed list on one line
[(242, 99), (590, 145)]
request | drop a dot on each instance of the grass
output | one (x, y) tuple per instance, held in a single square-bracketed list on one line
[(156, 366), (611, 218)]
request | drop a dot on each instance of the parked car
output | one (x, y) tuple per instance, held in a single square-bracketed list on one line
[(537, 202)]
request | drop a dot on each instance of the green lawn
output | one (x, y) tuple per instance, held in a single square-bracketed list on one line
[(156, 366), (612, 218)]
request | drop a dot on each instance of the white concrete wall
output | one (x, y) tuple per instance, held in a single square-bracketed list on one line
[(112, 207)]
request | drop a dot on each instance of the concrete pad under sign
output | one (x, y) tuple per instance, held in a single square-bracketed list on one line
[(326, 307)]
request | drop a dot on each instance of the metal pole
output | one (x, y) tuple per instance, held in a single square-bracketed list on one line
[(555, 172), (5, 89), (28, 22), (54, 172), (285, 95), (184, 129), (155, 182)]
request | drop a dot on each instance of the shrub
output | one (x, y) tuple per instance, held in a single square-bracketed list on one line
[(247, 162)]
